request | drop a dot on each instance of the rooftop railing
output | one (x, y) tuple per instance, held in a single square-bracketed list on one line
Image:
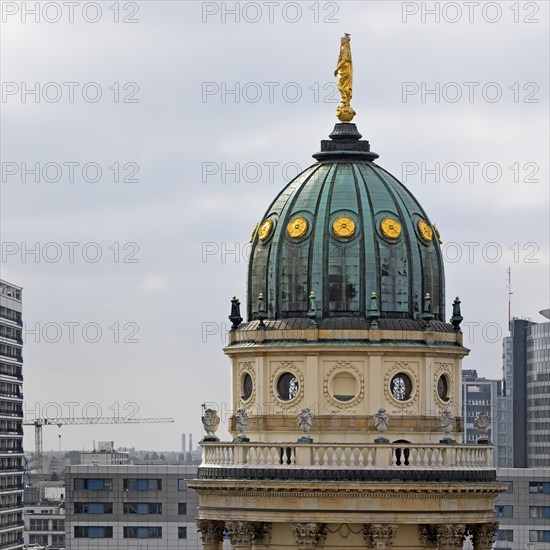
[(349, 456)]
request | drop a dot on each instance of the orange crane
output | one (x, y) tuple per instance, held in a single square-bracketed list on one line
[(40, 422)]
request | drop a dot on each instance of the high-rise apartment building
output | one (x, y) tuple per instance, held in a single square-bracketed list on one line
[(526, 377), (11, 417)]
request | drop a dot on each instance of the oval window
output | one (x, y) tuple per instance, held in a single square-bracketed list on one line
[(287, 386), (443, 388), (401, 387), (246, 387)]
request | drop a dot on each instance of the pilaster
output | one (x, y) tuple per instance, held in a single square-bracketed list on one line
[(211, 533), (445, 536), (379, 535), (309, 535), (248, 534), (482, 534)]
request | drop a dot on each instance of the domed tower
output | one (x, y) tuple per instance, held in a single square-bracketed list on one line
[(343, 229), (346, 375)]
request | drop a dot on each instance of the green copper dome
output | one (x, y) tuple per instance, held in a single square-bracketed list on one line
[(343, 229)]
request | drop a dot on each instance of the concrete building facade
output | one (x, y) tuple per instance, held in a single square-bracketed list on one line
[(130, 506), (538, 394), (479, 395), (505, 409), (45, 524), (104, 455), (11, 417), (523, 411), (523, 511)]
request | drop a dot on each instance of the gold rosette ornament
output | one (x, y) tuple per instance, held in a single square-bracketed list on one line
[(343, 226)]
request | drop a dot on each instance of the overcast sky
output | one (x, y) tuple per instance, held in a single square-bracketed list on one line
[(136, 133)]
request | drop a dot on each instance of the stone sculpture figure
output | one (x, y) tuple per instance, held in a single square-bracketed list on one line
[(482, 423), (241, 421), (305, 420), (447, 423), (210, 421), (381, 422)]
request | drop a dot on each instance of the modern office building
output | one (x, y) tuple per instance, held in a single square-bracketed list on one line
[(346, 374), (526, 377), (104, 455), (479, 395), (130, 506), (11, 417), (538, 393), (45, 522), (505, 409), (523, 511)]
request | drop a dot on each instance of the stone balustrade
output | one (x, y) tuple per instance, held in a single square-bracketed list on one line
[(335, 456)]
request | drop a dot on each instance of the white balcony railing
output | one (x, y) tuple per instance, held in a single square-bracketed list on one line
[(361, 456)]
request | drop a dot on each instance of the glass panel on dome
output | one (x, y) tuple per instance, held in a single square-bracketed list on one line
[(394, 278), (293, 285), (343, 278)]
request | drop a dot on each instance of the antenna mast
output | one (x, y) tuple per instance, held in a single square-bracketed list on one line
[(509, 295)]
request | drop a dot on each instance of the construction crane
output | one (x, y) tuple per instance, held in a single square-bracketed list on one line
[(40, 422)]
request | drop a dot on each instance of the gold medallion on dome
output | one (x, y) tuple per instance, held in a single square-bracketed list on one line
[(391, 228), (344, 227), (425, 230), (297, 227), (265, 230)]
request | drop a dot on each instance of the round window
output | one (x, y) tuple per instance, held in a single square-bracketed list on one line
[(401, 387), (344, 387), (287, 386), (246, 387), (443, 388)]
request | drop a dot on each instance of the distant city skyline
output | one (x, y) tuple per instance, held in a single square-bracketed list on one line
[(124, 222)]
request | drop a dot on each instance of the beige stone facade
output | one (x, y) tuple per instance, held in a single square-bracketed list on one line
[(343, 490), (322, 368)]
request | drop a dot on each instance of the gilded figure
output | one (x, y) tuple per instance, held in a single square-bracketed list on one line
[(344, 71)]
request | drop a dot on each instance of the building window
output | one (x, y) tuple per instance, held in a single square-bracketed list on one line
[(504, 511), (401, 387), (539, 536), (58, 541), (182, 508), (142, 508), (287, 386), (443, 388), (539, 487), (247, 387), (142, 532), (539, 511), (39, 525), (58, 525), (93, 507), (142, 484), (182, 485), (38, 539), (92, 484), (92, 532), (182, 532), (506, 535)]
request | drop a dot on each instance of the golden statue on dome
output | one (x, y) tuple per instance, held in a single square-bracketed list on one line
[(344, 71)]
